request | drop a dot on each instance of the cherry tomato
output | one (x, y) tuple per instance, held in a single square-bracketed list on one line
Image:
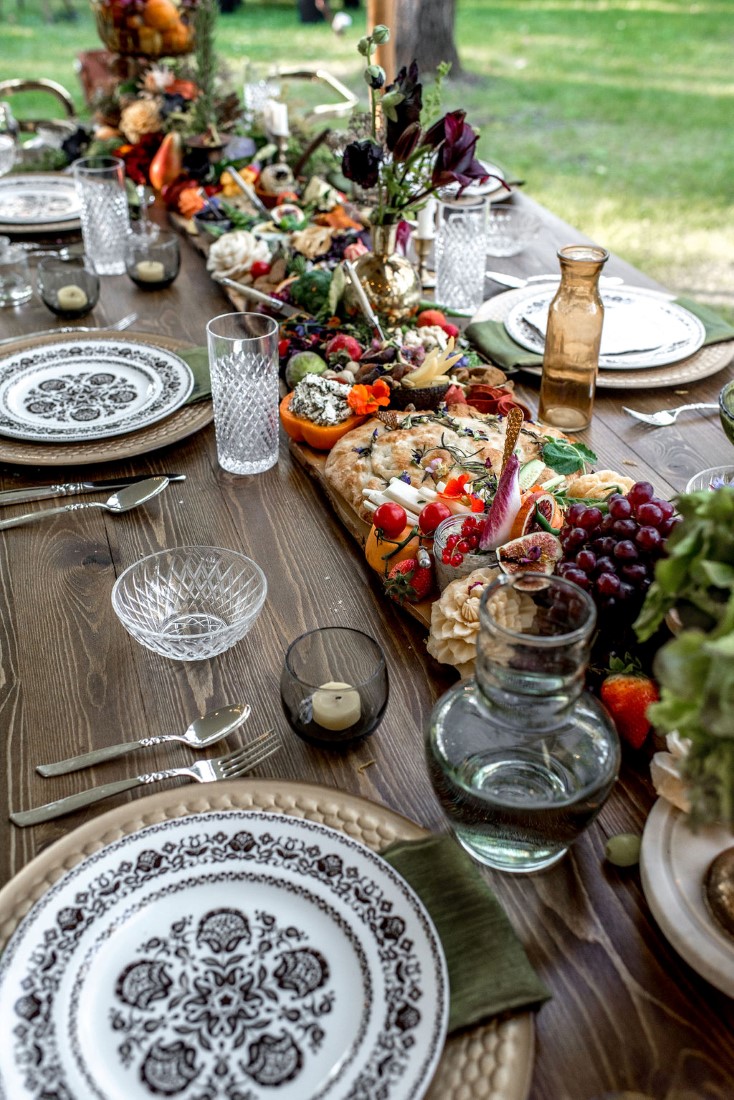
[(433, 514), (390, 518), (259, 268)]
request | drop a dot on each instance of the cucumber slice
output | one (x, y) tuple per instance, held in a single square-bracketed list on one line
[(530, 472)]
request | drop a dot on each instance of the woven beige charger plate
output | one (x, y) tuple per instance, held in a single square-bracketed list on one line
[(489, 1062), (180, 424), (705, 362)]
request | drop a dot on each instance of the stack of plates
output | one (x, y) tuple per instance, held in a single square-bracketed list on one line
[(38, 204), (89, 397), (648, 340)]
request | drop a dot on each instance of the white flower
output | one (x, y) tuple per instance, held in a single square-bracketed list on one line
[(233, 254), (665, 772)]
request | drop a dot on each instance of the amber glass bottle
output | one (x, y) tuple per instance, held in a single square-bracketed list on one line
[(572, 340)]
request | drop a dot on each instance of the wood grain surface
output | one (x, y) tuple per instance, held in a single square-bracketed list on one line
[(627, 1012)]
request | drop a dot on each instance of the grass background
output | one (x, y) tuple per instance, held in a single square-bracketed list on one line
[(616, 113)]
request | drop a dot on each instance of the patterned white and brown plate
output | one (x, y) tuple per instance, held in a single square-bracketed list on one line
[(224, 955)]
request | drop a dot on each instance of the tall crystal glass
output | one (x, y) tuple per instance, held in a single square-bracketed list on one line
[(243, 361), (100, 182), (461, 249), (522, 758)]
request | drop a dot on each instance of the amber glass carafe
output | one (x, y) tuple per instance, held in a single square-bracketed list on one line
[(573, 336)]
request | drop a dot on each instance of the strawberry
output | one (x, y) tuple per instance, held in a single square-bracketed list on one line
[(626, 693), (411, 580), (343, 342)]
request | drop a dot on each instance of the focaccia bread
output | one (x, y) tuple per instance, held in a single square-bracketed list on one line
[(368, 456)]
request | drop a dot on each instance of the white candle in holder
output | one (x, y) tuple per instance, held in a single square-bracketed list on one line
[(150, 271), (427, 220), (276, 116), (336, 705), (71, 297)]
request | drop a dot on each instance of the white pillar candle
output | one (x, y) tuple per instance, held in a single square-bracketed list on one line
[(150, 271), (71, 297), (276, 115), (336, 705), (427, 220)]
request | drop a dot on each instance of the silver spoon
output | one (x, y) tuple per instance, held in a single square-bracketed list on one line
[(202, 732), (121, 501)]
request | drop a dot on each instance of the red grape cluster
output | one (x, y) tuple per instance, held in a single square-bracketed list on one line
[(613, 556), (465, 543)]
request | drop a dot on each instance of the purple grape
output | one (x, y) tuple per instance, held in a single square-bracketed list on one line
[(586, 560), (650, 514), (605, 564), (619, 507), (640, 492), (607, 584), (625, 592), (635, 573), (649, 539), (575, 514), (625, 528), (591, 518), (666, 507), (626, 551), (577, 576), (604, 545), (607, 524), (576, 537)]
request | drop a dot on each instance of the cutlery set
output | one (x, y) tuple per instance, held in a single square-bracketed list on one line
[(202, 732)]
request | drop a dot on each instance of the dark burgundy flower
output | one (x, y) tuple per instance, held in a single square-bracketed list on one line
[(407, 143), (455, 160), (408, 110), (361, 162)]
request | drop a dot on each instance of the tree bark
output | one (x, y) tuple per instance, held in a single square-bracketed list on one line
[(424, 30)]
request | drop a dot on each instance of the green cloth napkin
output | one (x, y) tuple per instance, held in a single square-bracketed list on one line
[(198, 361), (492, 340), (489, 972)]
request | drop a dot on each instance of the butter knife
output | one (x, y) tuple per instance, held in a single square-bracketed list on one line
[(72, 488)]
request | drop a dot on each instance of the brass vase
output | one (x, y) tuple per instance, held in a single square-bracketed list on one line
[(390, 281)]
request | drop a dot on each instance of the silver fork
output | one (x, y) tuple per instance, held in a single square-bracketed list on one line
[(231, 766), (116, 326), (665, 417)]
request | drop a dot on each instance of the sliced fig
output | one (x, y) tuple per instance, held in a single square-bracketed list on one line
[(537, 552)]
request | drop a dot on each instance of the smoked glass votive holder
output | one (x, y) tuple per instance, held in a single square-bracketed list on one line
[(334, 685), (68, 286), (152, 258)]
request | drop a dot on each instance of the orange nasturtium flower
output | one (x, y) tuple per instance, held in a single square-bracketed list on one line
[(365, 400), (454, 488)]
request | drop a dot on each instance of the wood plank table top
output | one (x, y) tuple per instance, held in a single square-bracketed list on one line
[(627, 1012)]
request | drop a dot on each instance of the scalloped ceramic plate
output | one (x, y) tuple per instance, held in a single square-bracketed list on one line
[(673, 863), (224, 955), (71, 391), (38, 200)]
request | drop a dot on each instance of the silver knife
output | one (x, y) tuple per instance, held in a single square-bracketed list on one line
[(515, 281), (71, 488), (257, 296)]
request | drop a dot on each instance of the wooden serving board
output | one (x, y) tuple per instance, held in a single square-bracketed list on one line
[(313, 462)]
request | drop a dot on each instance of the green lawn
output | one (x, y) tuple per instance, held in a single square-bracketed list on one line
[(617, 113)]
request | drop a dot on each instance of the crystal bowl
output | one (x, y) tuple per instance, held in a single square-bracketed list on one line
[(191, 602), (704, 479), (510, 231)]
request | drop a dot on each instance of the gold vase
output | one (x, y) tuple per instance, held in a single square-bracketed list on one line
[(390, 281)]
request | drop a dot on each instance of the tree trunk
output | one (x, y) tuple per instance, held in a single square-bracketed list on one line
[(424, 30)]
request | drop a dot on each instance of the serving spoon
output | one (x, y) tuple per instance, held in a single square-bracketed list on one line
[(121, 501), (202, 732)]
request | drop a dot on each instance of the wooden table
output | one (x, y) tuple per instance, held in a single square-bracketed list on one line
[(627, 1012)]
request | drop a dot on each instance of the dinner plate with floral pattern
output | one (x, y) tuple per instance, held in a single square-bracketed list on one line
[(72, 390), (38, 200), (228, 955)]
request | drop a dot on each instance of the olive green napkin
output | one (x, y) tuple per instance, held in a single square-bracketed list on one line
[(489, 972), (198, 361), (492, 340)]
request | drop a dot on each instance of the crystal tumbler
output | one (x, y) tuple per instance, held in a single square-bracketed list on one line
[(100, 182), (243, 361), (461, 246), (522, 758)]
